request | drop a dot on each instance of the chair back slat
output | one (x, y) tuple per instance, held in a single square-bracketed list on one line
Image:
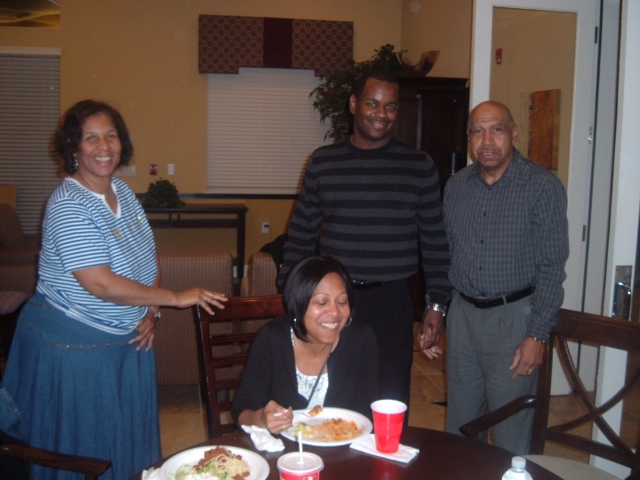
[(233, 359), (223, 346), (231, 338)]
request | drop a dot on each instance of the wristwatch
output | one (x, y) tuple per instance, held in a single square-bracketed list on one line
[(157, 314), (538, 339), (436, 307)]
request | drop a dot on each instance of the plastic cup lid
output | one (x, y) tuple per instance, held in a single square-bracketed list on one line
[(290, 462)]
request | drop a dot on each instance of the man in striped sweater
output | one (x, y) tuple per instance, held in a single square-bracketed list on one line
[(373, 203)]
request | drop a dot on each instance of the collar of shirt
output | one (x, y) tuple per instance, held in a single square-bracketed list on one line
[(516, 172)]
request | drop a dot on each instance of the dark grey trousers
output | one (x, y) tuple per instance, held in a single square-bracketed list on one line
[(480, 348)]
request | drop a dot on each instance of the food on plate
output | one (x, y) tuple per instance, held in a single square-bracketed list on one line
[(331, 430), (218, 464), (315, 411)]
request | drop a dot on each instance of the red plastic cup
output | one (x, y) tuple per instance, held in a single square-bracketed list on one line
[(388, 418), (291, 468)]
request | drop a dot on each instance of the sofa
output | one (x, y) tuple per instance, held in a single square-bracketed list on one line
[(18, 254), (261, 276), (15, 246), (175, 338)]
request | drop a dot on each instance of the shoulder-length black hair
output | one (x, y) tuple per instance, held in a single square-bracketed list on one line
[(302, 281), (69, 133)]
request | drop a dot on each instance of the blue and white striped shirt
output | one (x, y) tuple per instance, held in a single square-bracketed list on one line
[(80, 231)]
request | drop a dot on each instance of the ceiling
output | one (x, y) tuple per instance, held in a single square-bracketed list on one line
[(30, 13)]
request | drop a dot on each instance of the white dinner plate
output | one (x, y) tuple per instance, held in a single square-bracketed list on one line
[(327, 414), (258, 465)]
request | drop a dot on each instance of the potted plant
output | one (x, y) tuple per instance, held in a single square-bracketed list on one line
[(162, 194)]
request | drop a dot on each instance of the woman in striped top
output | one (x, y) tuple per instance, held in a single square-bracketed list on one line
[(82, 367)]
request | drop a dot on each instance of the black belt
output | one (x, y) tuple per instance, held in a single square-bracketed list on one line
[(358, 285), (496, 302)]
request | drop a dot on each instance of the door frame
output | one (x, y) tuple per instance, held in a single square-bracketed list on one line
[(625, 206)]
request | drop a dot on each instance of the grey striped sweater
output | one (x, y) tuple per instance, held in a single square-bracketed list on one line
[(370, 209)]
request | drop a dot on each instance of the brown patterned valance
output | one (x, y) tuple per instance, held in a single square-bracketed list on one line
[(227, 43)]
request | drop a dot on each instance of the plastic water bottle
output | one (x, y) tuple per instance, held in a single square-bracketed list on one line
[(517, 471)]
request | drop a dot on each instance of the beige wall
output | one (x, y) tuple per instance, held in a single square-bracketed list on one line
[(443, 25), (532, 62), (141, 56)]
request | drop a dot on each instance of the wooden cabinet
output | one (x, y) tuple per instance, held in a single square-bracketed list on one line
[(433, 117)]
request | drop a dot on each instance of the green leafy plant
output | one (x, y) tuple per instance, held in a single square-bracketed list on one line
[(162, 194), (331, 97)]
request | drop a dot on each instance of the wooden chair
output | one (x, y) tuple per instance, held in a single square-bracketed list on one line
[(91, 467), (223, 346), (590, 329)]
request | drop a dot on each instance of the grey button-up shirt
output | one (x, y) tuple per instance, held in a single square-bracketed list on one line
[(509, 236)]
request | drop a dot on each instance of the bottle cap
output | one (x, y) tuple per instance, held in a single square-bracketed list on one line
[(518, 462)]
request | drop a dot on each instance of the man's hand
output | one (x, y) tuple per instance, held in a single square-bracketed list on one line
[(430, 333), (527, 357)]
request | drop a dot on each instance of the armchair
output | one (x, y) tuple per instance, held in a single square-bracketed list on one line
[(594, 330), (15, 246)]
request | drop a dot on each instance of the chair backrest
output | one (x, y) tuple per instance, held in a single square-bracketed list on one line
[(223, 346), (9, 195), (91, 467), (11, 233), (601, 332), (175, 341)]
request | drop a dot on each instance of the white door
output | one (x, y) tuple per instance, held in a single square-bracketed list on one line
[(581, 147), (578, 179), (616, 240)]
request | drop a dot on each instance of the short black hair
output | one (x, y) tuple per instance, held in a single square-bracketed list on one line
[(383, 76), (69, 133), (302, 281)]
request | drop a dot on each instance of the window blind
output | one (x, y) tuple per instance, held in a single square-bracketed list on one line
[(29, 113), (261, 130)]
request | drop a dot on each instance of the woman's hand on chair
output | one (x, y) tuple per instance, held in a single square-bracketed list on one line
[(201, 297)]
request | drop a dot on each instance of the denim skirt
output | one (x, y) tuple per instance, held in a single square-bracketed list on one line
[(83, 391)]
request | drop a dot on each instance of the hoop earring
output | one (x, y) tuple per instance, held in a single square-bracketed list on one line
[(348, 322)]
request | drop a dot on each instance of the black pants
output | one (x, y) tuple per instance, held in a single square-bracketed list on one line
[(388, 310)]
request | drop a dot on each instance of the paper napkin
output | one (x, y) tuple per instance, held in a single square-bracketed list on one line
[(151, 474), (367, 444), (263, 440)]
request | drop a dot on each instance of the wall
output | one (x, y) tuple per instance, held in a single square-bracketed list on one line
[(439, 25), (142, 58), (533, 62)]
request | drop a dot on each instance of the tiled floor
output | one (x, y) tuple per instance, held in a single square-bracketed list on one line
[(182, 421)]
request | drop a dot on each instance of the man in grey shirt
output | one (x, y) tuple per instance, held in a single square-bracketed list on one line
[(506, 223)]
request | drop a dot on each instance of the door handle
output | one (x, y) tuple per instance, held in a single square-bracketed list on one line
[(622, 292)]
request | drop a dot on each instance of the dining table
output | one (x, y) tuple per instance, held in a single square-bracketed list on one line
[(443, 456)]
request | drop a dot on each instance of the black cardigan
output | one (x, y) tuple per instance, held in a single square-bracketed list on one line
[(270, 373)]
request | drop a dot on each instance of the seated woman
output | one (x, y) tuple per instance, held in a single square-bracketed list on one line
[(313, 356)]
